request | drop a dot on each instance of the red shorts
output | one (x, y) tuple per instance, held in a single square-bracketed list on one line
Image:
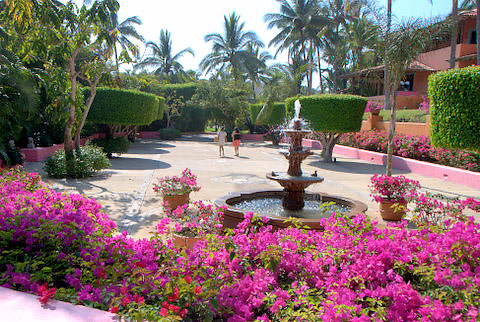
[(236, 142)]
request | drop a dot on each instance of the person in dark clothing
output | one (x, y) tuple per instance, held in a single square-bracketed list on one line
[(236, 136)]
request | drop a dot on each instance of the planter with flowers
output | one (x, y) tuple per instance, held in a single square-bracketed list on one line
[(373, 107), (192, 223), (392, 193), (176, 190)]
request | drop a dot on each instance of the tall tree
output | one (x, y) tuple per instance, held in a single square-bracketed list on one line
[(256, 68), (298, 23), (230, 50), (453, 39), (469, 5), (119, 34), (408, 40), (161, 57)]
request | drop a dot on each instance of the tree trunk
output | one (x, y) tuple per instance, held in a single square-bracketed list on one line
[(386, 77), (328, 141), (117, 81), (478, 32), (391, 132), (88, 103), (320, 70), (453, 40), (67, 137)]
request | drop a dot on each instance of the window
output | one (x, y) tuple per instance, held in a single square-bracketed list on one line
[(407, 83), (472, 38)]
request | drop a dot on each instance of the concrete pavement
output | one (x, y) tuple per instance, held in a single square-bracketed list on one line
[(125, 190)]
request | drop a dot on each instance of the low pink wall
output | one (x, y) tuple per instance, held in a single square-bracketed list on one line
[(149, 135), (19, 306), (42, 153)]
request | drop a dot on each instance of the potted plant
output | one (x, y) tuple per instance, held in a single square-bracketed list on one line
[(393, 194), (373, 107), (176, 190), (192, 222)]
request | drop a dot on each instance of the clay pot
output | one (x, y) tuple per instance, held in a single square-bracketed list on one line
[(375, 113), (176, 200), (185, 242), (389, 213)]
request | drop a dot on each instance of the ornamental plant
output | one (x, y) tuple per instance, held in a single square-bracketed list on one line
[(396, 189), (413, 147), (63, 247), (176, 185), (194, 220), (373, 107)]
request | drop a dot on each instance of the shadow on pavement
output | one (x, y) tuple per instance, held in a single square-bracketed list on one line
[(125, 163), (352, 167)]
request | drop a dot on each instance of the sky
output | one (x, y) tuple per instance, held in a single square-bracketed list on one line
[(190, 20)]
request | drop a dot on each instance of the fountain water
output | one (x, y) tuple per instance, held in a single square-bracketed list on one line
[(293, 195)]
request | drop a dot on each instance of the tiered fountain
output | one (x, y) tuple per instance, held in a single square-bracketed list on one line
[(293, 197)]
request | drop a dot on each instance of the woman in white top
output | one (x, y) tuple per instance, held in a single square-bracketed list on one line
[(222, 136)]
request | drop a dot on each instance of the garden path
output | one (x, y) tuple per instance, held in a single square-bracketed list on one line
[(125, 190)]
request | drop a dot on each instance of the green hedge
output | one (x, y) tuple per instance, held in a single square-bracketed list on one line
[(330, 112), (455, 108), (276, 117), (125, 107), (186, 90)]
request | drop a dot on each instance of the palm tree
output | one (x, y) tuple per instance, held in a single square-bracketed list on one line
[(298, 22), (256, 68), (119, 33), (161, 57), (405, 43), (469, 5), (230, 50)]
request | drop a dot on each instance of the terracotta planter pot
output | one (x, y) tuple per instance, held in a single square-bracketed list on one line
[(388, 212), (176, 200), (375, 113), (185, 242)]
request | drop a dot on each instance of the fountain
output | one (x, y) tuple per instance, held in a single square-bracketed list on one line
[(293, 196)]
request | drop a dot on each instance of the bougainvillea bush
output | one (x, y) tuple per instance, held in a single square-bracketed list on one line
[(63, 247), (177, 185), (413, 147)]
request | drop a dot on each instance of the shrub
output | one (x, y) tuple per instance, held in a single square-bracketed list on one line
[(169, 134), (413, 147), (125, 107), (330, 115), (455, 108), (275, 117), (192, 119), (88, 160), (113, 145), (62, 246)]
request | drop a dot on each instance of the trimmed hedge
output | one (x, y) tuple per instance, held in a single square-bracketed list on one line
[(330, 112), (276, 117), (455, 108), (125, 107), (186, 90), (416, 116)]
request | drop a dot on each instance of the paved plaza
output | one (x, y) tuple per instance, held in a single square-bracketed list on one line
[(125, 190)]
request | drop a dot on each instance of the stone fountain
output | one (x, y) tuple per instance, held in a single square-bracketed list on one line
[(293, 196)]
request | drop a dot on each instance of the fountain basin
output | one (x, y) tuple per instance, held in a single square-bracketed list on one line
[(308, 216)]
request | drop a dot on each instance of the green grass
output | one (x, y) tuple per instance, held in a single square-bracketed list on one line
[(404, 116)]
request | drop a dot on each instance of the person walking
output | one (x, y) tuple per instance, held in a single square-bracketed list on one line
[(236, 136), (221, 136)]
